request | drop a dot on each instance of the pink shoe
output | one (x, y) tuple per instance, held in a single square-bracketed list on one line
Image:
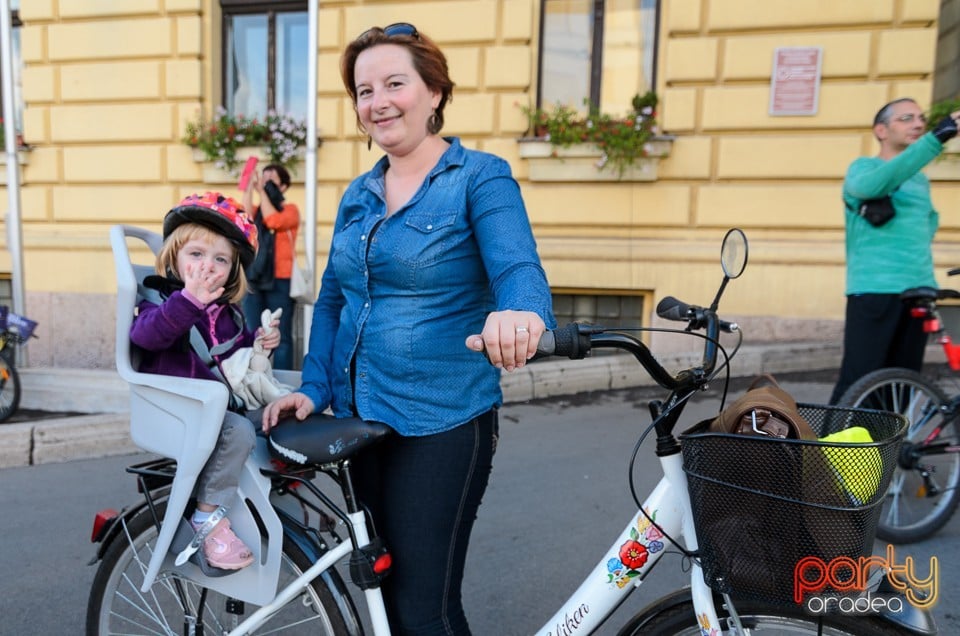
[(224, 550)]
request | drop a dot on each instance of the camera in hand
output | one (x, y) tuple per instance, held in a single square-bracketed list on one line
[(274, 194)]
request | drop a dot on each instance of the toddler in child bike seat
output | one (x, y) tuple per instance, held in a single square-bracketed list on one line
[(187, 327)]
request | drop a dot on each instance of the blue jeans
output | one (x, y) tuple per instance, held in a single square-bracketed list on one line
[(423, 494), (279, 297)]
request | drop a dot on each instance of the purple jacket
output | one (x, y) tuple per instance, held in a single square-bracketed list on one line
[(163, 333)]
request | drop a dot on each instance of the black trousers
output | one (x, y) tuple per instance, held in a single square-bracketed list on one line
[(879, 332), (423, 493)]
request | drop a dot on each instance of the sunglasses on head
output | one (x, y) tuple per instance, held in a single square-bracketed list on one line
[(393, 30)]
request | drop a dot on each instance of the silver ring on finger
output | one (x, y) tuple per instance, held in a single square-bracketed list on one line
[(522, 329)]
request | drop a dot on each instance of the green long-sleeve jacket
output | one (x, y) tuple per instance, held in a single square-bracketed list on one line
[(895, 256)]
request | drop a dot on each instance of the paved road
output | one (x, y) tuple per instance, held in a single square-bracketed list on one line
[(557, 498)]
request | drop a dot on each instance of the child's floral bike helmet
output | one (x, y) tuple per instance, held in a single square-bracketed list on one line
[(219, 213)]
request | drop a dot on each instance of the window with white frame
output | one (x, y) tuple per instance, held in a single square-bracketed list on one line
[(265, 57), (600, 50)]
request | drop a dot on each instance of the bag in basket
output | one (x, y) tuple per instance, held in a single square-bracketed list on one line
[(764, 410)]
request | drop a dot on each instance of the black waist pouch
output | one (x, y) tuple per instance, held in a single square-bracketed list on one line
[(877, 212)]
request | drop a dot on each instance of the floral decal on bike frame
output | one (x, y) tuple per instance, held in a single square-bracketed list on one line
[(644, 540), (705, 629)]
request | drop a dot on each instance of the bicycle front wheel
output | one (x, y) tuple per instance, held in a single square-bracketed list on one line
[(682, 620), (117, 606), (923, 493), (9, 389)]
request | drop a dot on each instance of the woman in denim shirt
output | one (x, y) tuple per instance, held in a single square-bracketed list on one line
[(432, 261)]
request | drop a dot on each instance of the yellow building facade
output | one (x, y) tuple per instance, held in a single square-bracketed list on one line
[(108, 88)]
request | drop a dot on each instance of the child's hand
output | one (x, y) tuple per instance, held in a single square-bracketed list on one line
[(204, 284), (269, 339), (268, 336)]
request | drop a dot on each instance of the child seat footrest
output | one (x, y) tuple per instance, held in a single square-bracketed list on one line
[(186, 543)]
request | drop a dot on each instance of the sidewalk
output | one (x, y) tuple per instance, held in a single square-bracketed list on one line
[(102, 398)]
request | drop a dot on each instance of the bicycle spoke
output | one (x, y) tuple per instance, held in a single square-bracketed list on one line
[(892, 515), (140, 609)]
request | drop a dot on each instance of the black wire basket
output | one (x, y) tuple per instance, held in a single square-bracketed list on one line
[(761, 504)]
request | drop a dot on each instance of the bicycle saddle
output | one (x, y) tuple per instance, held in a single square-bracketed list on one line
[(928, 293), (919, 293), (322, 439)]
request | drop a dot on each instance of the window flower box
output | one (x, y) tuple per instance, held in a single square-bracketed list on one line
[(570, 145), (214, 174), (583, 162), (228, 140), (23, 156)]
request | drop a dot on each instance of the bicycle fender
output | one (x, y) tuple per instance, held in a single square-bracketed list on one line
[(912, 620), (639, 621), (115, 527), (915, 620), (313, 547)]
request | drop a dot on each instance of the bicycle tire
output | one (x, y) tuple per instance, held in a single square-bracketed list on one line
[(909, 514), (9, 389), (117, 606), (681, 620)]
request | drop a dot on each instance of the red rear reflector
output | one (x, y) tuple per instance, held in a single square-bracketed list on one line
[(100, 520), (382, 563)]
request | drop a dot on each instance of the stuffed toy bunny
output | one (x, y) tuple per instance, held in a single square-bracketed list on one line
[(250, 372)]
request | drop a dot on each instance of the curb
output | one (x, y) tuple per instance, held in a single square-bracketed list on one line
[(106, 430), (65, 439)]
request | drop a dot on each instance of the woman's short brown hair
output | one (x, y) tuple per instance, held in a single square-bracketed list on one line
[(428, 60), (166, 265)]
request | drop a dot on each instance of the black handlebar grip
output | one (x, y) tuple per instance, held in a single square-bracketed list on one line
[(672, 309), (564, 341)]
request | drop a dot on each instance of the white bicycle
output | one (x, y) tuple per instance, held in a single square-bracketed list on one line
[(741, 577)]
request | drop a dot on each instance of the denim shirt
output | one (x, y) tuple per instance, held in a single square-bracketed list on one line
[(400, 295)]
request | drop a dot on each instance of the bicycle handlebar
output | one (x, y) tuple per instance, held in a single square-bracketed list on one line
[(575, 340), (672, 309)]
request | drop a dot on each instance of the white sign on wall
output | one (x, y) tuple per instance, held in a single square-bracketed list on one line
[(795, 84)]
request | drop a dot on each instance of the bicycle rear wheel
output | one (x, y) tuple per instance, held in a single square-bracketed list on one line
[(9, 389), (116, 605), (924, 490)]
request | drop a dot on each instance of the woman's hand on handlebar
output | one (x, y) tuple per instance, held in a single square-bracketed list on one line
[(296, 404), (509, 337)]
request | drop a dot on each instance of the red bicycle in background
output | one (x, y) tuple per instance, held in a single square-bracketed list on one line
[(925, 490)]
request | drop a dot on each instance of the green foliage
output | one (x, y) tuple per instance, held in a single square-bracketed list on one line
[(279, 135), (939, 110), (622, 140)]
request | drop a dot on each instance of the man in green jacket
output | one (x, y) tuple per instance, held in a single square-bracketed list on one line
[(884, 260)]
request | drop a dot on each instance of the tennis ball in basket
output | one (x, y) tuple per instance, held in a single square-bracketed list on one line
[(858, 469)]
